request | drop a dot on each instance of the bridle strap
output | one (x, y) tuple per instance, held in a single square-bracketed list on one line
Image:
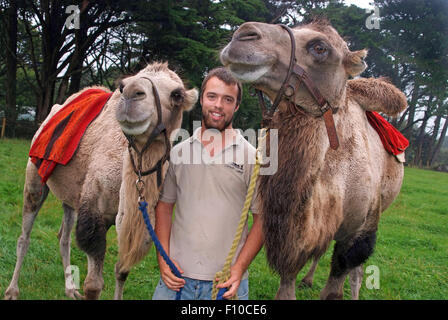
[(300, 76), (159, 129)]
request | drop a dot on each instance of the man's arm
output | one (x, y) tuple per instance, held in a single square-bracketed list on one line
[(164, 213), (253, 244)]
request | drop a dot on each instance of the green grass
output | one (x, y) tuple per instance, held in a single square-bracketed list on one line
[(411, 252)]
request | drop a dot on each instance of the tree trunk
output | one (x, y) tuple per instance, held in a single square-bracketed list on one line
[(434, 135), (44, 102), (412, 106), (76, 63), (400, 122), (421, 136), (439, 143), (62, 90), (11, 69)]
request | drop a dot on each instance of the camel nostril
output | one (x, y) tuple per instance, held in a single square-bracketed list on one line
[(248, 36), (121, 87)]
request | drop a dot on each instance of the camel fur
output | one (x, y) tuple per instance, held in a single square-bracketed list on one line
[(97, 183), (319, 194)]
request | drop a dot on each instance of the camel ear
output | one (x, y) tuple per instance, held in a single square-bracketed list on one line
[(191, 97), (354, 62)]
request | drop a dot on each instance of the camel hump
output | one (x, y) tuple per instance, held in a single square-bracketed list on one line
[(377, 95)]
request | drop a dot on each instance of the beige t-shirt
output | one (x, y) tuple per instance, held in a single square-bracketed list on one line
[(209, 193)]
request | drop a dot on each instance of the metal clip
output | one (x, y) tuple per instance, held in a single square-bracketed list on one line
[(140, 186), (325, 108)]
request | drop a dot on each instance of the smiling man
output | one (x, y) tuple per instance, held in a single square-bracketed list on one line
[(209, 198)]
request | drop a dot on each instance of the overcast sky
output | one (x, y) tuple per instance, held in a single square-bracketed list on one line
[(360, 3)]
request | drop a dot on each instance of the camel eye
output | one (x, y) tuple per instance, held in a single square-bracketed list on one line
[(177, 96), (318, 50)]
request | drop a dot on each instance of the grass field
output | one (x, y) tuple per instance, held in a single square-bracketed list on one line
[(411, 252)]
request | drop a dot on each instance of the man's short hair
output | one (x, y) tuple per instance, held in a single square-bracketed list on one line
[(225, 76)]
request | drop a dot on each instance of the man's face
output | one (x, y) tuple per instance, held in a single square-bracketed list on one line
[(218, 104)]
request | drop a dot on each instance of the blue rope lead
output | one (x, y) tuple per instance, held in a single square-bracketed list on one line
[(220, 293), (142, 206)]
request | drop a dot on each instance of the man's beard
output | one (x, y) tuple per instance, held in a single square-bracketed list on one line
[(208, 125)]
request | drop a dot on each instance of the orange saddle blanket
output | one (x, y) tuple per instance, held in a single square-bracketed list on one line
[(393, 141), (60, 137)]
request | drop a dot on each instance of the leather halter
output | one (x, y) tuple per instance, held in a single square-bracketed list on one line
[(294, 77), (160, 128)]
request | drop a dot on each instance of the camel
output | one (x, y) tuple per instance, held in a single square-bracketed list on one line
[(320, 192), (97, 187)]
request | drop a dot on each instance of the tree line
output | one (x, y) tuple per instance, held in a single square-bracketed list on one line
[(49, 52)]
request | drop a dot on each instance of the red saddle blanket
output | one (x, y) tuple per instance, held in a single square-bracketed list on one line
[(60, 137), (393, 141)]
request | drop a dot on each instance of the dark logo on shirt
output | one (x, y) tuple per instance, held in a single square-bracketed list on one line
[(236, 166)]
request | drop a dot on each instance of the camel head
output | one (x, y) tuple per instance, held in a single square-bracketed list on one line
[(259, 53), (137, 112)]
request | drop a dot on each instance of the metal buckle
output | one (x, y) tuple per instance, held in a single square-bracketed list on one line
[(140, 186), (325, 108)]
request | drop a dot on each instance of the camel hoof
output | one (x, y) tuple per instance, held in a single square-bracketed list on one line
[(74, 294), (334, 296), (305, 283), (92, 294), (283, 296), (11, 294)]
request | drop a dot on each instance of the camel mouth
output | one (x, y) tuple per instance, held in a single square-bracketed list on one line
[(248, 72), (246, 67), (135, 128)]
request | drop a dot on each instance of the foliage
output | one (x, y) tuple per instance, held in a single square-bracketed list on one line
[(120, 37)]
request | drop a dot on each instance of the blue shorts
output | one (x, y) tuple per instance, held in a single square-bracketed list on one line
[(196, 290)]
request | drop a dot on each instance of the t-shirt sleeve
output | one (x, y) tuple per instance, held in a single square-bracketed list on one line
[(169, 188)]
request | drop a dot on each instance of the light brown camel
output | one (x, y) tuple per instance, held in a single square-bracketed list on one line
[(91, 187), (319, 194)]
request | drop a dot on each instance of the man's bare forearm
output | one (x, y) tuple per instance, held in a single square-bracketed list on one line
[(164, 212), (253, 244)]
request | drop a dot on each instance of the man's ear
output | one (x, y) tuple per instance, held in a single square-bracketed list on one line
[(191, 97), (236, 108), (354, 62)]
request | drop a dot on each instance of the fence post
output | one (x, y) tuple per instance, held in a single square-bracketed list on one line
[(2, 115)]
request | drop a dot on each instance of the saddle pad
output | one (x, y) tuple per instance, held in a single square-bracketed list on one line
[(393, 141), (60, 137)]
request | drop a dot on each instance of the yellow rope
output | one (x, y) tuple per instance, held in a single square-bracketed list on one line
[(224, 274)]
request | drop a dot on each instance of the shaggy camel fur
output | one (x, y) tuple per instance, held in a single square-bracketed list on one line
[(319, 194), (97, 183)]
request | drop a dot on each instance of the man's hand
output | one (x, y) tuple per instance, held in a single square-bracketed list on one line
[(250, 249), (171, 281), (233, 283)]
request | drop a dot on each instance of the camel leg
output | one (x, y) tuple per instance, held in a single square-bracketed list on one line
[(120, 274), (307, 281), (334, 288), (94, 283), (355, 278), (64, 237), (120, 279), (346, 257), (91, 232), (34, 195), (287, 290)]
